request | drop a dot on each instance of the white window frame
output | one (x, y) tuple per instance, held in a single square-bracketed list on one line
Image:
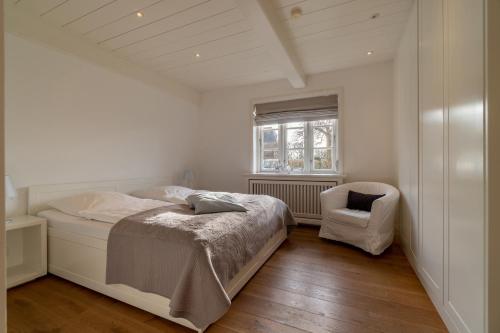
[(255, 157), (308, 150), (260, 151)]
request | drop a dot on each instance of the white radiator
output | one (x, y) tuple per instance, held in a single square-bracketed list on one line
[(301, 196)]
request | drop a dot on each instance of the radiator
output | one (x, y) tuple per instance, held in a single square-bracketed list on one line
[(301, 196)]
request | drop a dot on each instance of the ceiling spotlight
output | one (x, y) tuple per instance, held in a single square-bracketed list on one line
[(374, 16), (139, 14), (197, 55), (296, 12), (369, 52)]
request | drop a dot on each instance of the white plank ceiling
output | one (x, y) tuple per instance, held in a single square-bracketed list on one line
[(330, 34)]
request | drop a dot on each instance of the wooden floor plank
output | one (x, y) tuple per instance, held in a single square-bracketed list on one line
[(355, 315), (309, 285), (249, 322), (378, 308), (354, 285), (289, 315)]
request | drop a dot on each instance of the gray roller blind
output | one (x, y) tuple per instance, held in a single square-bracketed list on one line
[(303, 109)]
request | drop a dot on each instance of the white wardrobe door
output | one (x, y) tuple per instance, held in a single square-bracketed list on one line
[(431, 107), (465, 293)]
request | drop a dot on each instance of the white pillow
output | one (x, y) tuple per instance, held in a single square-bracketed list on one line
[(104, 206), (174, 194)]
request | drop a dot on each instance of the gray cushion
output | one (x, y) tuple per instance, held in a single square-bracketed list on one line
[(214, 202)]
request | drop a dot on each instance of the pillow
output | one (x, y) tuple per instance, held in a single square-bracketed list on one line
[(361, 201), (174, 194), (104, 206), (214, 202)]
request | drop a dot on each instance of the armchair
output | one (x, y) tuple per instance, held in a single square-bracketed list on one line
[(371, 231)]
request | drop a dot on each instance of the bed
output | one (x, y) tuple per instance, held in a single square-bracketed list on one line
[(77, 248)]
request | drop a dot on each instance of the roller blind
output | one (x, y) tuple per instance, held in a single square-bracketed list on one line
[(303, 109)]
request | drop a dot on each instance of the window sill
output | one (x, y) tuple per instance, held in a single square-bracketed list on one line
[(295, 176)]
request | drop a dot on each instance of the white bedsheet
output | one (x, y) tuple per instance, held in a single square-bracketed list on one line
[(65, 222), (105, 206)]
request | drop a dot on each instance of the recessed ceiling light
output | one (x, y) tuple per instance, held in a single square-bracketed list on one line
[(296, 12), (369, 52), (374, 16), (139, 14), (197, 55)]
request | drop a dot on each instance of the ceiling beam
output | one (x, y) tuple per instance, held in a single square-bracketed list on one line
[(261, 15)]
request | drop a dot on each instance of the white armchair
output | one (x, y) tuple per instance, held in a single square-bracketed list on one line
[(372, 231)]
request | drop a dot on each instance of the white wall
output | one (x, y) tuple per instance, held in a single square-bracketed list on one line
[(69, 120), (225, 133), (406, 120)]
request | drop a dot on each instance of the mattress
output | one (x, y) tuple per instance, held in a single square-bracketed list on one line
[(78, 225)]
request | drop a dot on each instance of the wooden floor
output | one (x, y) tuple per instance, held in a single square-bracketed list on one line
[(309, 285)]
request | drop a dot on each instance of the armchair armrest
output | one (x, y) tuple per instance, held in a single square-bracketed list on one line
[(383, 209), (333, 198)]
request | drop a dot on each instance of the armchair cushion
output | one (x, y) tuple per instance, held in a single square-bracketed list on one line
[(361, 201), (354, 218)]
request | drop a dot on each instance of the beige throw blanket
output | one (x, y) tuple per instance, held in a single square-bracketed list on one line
[(189, 258)]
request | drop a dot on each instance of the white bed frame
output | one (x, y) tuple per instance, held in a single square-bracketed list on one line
[(82, 259)]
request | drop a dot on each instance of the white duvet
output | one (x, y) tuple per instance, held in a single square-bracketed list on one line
[(108, 207)]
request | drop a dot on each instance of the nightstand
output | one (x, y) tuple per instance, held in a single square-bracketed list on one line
[(26, 249)]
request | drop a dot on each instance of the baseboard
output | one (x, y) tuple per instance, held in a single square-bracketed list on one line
[(307, 221), (441, 309)]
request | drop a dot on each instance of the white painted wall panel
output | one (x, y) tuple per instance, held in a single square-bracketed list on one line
[(432, 157), (450, 259), (493, 161), (466, 153)]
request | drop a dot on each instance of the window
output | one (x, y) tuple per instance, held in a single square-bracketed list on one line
[(298, 147), (297, 135)]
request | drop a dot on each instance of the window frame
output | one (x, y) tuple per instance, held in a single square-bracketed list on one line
[(253, 135), (308, 150), (333, 149), (285, 148), (260, 150)]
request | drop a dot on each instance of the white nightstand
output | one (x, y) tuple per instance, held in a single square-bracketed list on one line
[(26, 249)]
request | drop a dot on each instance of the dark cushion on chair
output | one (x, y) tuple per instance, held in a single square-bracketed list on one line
[(361, 201)]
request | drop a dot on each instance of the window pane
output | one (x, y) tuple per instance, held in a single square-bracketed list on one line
[(292, 125), (270, 136), (270, 164), (296, 159), (295, 138), (320, 140), (322, 159), (323, 136), (270, 159), (271, 154), (326, 122)]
